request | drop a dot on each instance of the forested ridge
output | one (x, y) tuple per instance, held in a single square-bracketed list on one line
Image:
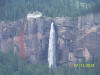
[(16, 9)]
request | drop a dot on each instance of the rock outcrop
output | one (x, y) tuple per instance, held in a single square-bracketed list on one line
[(73, 35)]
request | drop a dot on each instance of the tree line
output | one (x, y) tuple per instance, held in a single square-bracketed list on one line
[(16, 9)]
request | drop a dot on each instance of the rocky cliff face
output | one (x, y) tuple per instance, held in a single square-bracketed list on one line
[(75, 38), (88, 39)]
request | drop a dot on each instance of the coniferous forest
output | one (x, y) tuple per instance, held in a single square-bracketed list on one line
[(15, 9)]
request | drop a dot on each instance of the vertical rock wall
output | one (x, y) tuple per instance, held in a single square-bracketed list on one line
[(73, 35)]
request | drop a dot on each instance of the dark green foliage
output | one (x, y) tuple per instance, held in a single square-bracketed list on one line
[(92, 7), (96, 8), (15, 9), (14, 65)]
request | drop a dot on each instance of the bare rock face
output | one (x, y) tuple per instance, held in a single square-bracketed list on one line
[(75, 37), (88, 36)]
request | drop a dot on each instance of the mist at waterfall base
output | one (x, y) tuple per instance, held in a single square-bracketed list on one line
[(52, 47)]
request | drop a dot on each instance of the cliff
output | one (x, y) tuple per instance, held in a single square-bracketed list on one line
[(76, 38)]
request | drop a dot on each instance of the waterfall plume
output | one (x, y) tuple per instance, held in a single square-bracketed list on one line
[(52, 48)]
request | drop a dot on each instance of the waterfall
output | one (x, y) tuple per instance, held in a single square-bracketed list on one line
[(52, 48)]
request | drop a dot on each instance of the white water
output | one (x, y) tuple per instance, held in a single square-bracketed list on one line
[(52, 47)]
